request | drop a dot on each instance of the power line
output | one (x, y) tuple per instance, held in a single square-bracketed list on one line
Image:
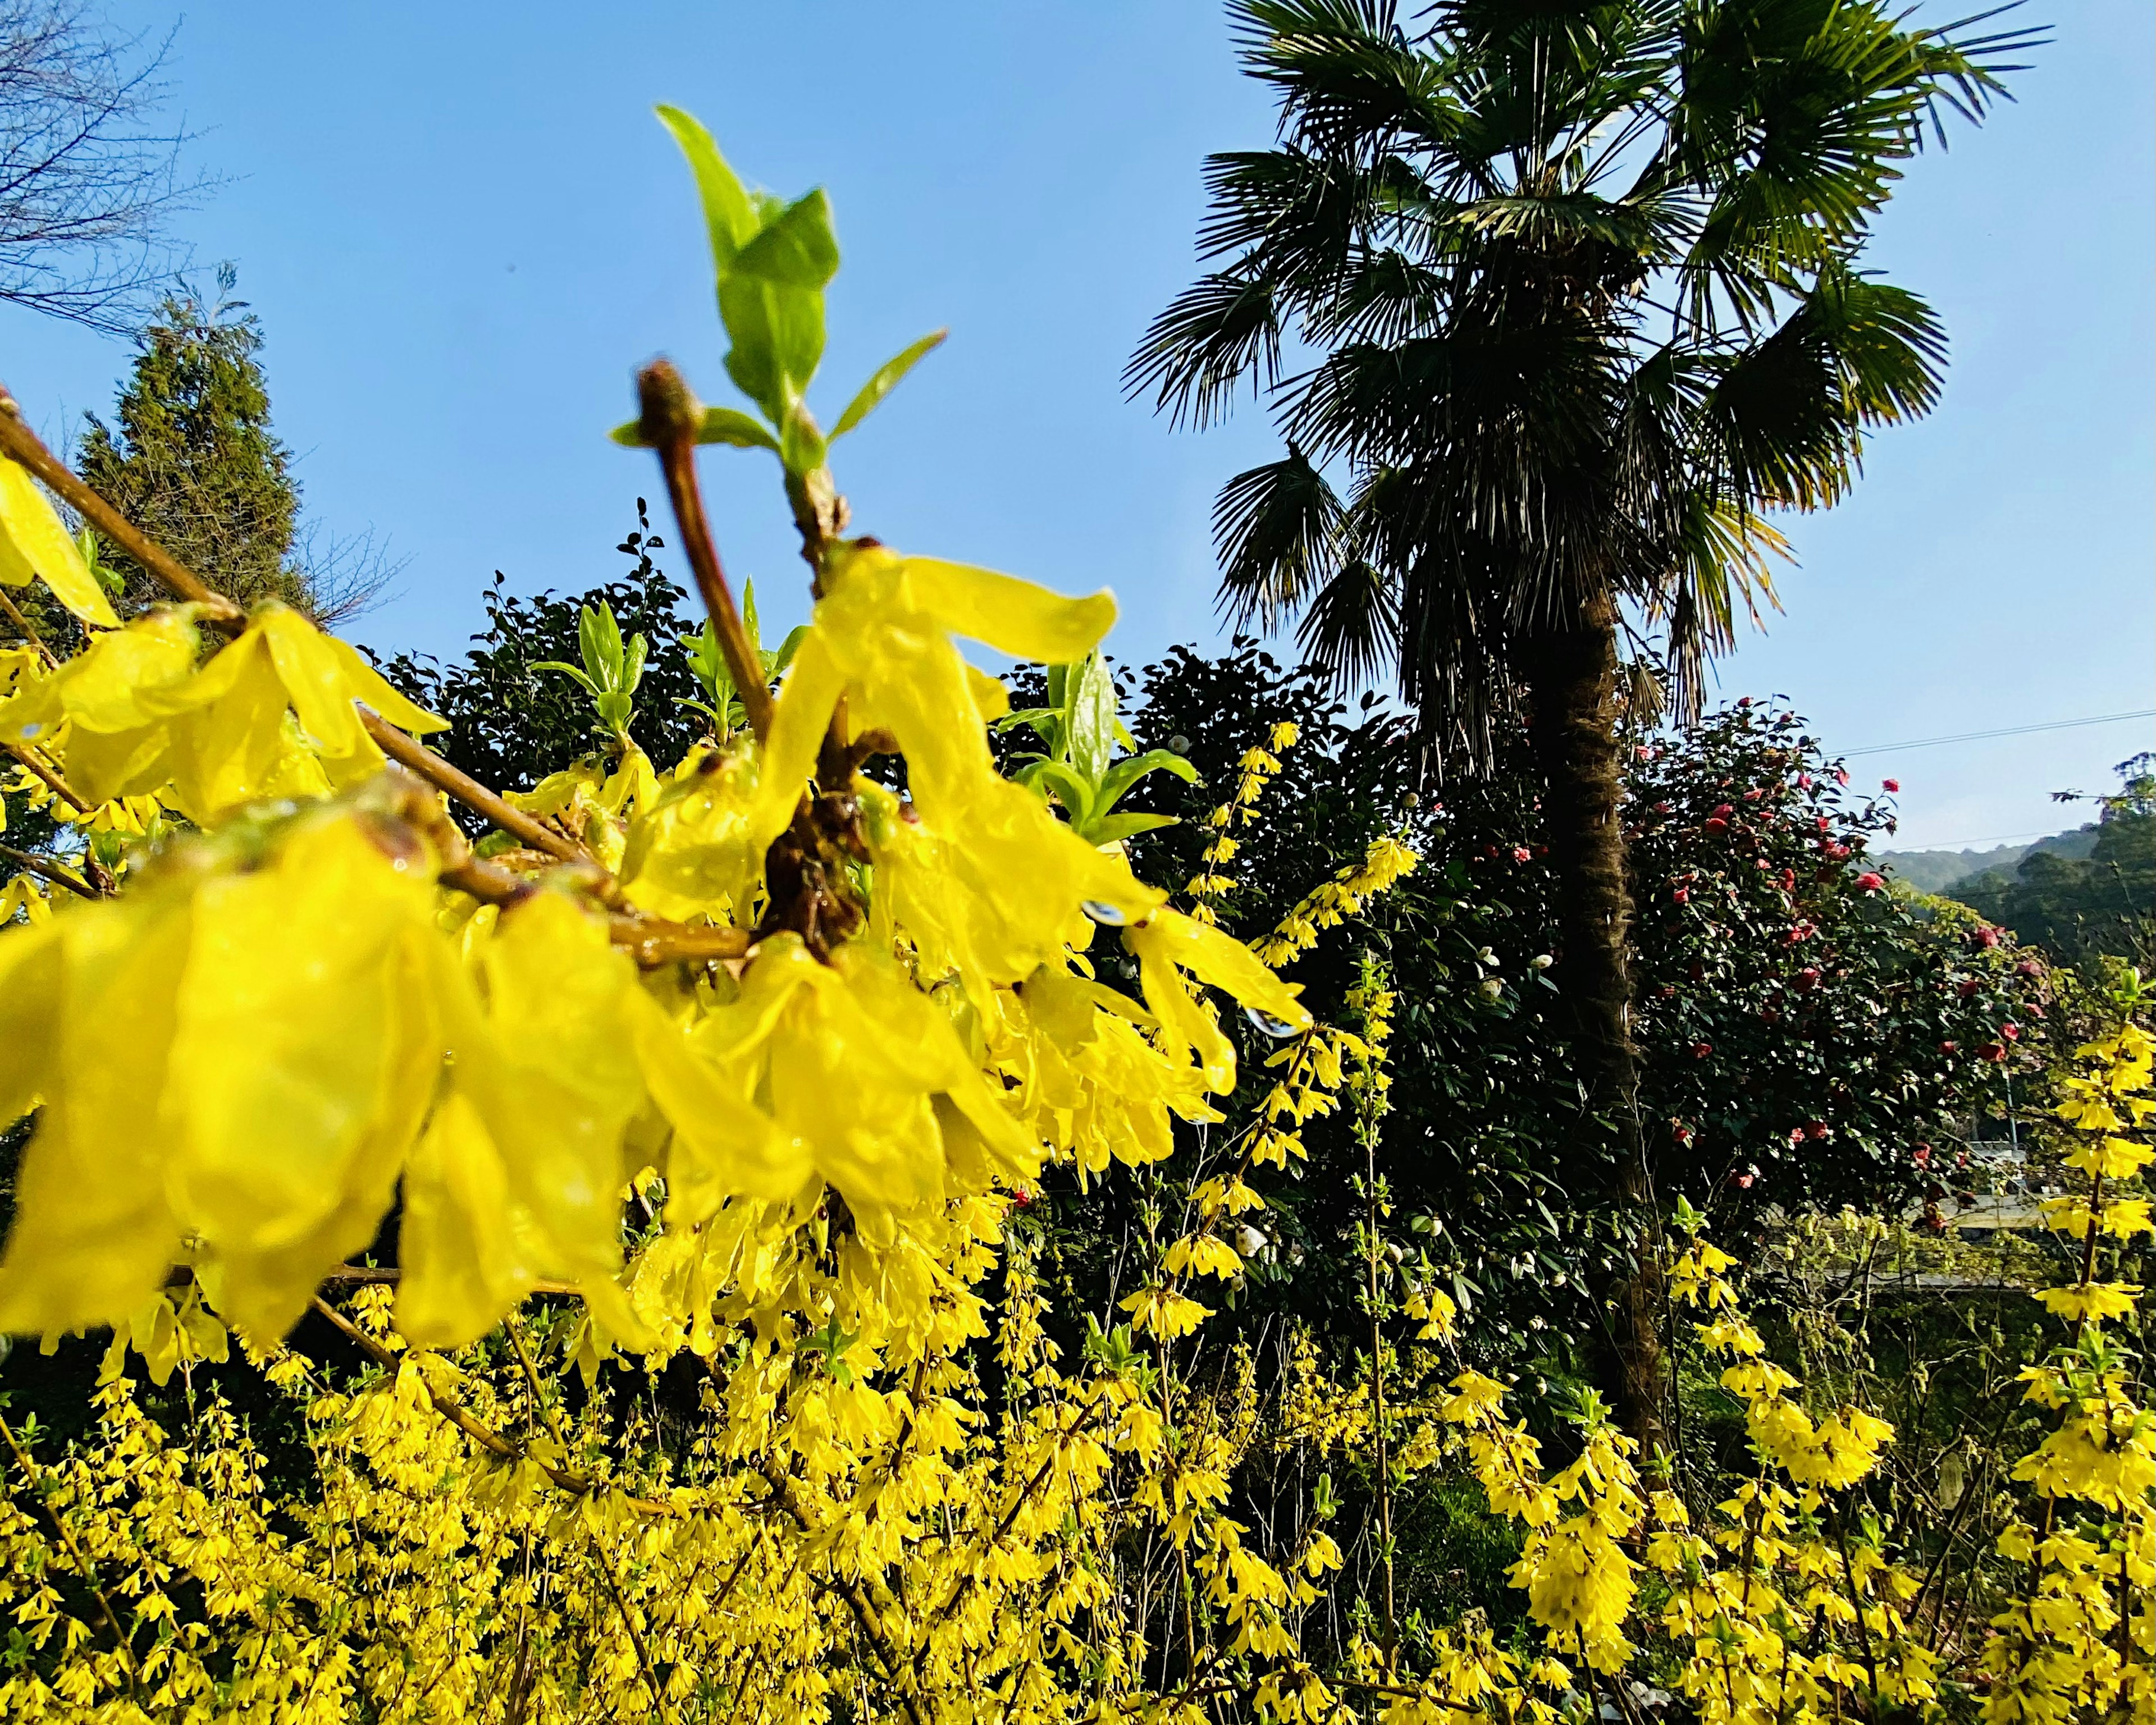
[(1926, 742)]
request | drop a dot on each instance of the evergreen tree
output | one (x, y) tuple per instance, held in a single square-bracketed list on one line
[(191, 458)]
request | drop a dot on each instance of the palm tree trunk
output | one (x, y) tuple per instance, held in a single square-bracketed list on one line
[(1571, 678)]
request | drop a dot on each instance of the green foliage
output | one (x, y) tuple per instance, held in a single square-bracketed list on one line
[(1081, 732), (721, 702), (511, 724), (190, 457), (1837, 1067), (611, 669), (1585, 293), (770, 261), (2083, 910)]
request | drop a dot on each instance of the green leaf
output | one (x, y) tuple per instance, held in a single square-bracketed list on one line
[(1073, 792), (777, 335), (728, 214), (771, 298), (571, 670), (1122, 826), (796, 250), (885, 380), (1120, 777), (1092, 738), (631, 436), (787, 647), (729, 425), (632, 668)]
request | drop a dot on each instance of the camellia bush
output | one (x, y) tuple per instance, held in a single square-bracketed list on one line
[(699, 1104)]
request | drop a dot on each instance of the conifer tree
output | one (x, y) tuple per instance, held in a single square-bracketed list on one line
[(191, 455)]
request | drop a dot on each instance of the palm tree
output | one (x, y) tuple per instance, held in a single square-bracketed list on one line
[(1554, 304)]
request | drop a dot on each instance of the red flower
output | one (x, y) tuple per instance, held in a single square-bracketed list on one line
[(1948, 1048), (1742, 1180), (1922, 1153), (1804, 781), (1841, 775), (1681, 1131), (1701, 1050), (1020, 1198), (1788, 880), (1721, 809), (1715, 823), (1890, 784), (1521, 853), (1808, 978), (1992, 1051), (1986, 936), (1681, 895), (1815, 1129), (1971, 986), (1824, 825), (1868, 882)]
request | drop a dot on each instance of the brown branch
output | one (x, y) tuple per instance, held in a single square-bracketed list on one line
[(652, 942), (417, 757), (29, 634), (579, 1484), (864, 1617), (24, 444), (50, 775), (51, 870), (669, 421), (83, 1565), (388, 1276)]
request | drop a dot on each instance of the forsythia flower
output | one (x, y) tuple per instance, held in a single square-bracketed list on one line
[(34, 542)]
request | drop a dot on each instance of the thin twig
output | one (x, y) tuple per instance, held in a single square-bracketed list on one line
[(345, 1275), (50, 774), (473, 1427), (51, 870), (671, 422), (24, 444), (29, 634), (82, 1565), (417, 757)]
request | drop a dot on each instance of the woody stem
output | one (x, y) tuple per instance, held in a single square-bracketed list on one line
[(24, 444), (671, 421), (28, 633)]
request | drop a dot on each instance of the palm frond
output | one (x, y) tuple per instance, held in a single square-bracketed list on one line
[(1278, 529), (1350, 630), (1216, 333)]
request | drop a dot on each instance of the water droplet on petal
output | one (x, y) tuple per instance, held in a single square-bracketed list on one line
[(1279, 1029), (1104, 913)]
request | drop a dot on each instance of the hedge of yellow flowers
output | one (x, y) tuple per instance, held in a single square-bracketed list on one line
[(737, 1064)]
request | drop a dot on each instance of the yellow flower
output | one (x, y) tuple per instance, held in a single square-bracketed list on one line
[(1167, 943), (34, 542), (2097, 1302), (1162, 1313), (234, 1053), (139, 714)]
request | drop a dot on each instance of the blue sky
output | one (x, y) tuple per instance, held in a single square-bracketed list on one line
[(462, 230)]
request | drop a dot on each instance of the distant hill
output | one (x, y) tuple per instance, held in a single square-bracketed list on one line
[(1936, 870)]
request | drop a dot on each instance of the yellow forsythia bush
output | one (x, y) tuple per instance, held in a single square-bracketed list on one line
[(729, 1070)]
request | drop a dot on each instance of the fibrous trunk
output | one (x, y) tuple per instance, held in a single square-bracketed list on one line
[(1571, 676)]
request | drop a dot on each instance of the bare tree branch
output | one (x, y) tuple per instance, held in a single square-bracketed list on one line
[(87, 179)]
